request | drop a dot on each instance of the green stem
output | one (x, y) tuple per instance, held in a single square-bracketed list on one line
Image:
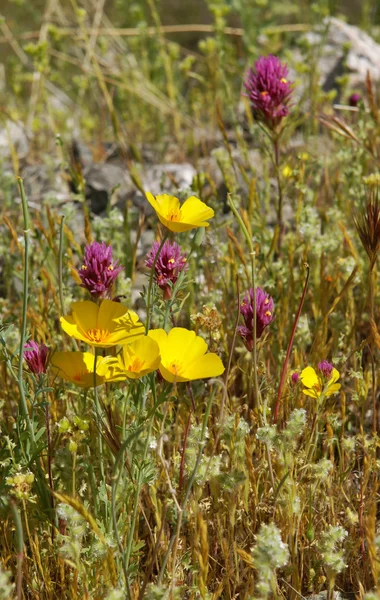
[(149, 297), (23, 407), (290, 346), (279, 186), (60, 263), (252, 253), (254, 349), (175, 536), (138, 484), (20, 547), (99, 421)]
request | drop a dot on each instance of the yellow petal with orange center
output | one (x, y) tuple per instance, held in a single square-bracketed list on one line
[(193, 213), (85, 315), (104, 326), (141, 357), (184, 356), (78, 368)]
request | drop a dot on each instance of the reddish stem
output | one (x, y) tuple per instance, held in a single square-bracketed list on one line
[(290, 346)]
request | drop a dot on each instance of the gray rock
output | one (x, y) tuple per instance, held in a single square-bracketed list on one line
[(363, 53), (13, 133), (323, 596), (106, 182), (169, 179)]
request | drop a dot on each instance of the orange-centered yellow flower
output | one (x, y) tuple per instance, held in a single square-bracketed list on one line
[(104, 326), (183, 355), (78, 367), (315, 385), (193, 212), (135, 360)]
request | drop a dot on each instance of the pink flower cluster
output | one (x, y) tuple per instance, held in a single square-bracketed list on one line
[(35, 356), (168, 266), (264, 315), (269, 90), (98, 272)]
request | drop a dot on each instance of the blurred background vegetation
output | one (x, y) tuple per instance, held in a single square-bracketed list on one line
[(139, 77)]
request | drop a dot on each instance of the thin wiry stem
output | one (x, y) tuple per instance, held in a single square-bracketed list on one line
[(279, 186), (49, 461), (60, 263), (98, 416), (254, 349), (175, 536), (149, 296), (19, 546), (252, 255), (290, 346), (23, 407)]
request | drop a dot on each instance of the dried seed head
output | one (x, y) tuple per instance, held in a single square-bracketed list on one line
[(367, 223)]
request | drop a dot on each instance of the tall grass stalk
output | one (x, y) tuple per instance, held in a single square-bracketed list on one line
[(23, 407)]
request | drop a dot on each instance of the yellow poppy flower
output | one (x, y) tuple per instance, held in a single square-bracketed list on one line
[(135, 361), (193, 212), (78, 367), (103, 326), (183, 355), (315, 385)]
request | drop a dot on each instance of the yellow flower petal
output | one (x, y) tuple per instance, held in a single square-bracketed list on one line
[(152, 201), (136, 360), (311, 393), (127, 329), (70, 327), (183, 356), (160, 336), (177, 218), (209, 365), (112, 369), (196, 212), (334, 376), (109, 315), (85, 314), (185, 345), (332, 389), (309, 377), (77, 367), (141, 357), (104, 326), (171, 376)]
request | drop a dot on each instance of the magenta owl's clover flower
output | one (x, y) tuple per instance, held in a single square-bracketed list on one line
[(169, 264), (264, 315), (325, 368), (295, 377), (354, 99), (98, 272), (35, 356), (269, 91)]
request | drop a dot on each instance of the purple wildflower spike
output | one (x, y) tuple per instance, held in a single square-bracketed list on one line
[(264, 315), (354, 99), (325, 368), (269, 91), (35, 356), (295, 377), (98, 272), (168, 265)]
